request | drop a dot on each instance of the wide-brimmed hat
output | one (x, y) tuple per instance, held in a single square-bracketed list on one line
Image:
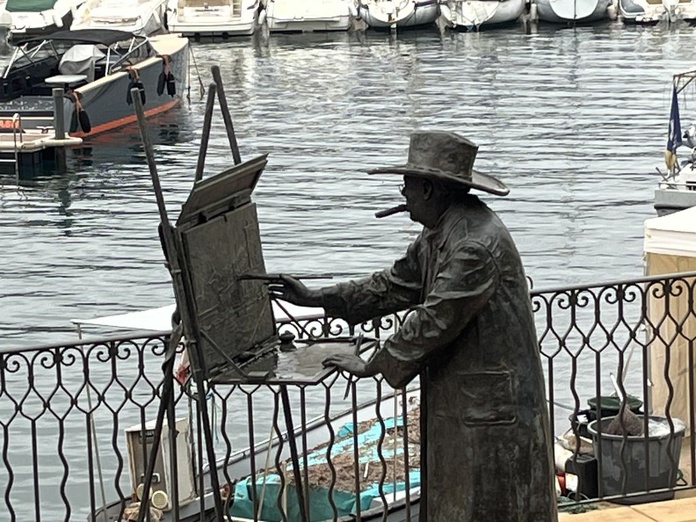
[(446, 156)]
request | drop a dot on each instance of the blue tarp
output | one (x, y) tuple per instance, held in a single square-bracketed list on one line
[(319, 505)]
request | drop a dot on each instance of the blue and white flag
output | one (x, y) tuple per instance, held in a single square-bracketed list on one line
[(674, 135)]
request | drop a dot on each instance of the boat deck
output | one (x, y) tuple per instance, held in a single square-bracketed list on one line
[(33, 142)]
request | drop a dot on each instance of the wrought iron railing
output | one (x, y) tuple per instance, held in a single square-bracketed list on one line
[(75, 419)]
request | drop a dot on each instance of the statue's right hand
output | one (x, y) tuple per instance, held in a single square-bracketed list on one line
[(293, 291)]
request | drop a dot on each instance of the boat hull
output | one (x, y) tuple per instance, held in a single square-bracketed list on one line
[(676, 193), (673, 200), (288, 16), (572, 11), (476, 14), (100, 99), (399, 13), (222, 19)]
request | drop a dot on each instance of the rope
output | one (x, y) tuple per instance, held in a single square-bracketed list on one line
[(569, 505), (200, 80), (167, 63), (76, 100)]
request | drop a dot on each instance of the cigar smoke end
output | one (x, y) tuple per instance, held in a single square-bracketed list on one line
[(390, 211)]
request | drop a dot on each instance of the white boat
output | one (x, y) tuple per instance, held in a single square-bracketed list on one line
[(39, 17), (270, 459), (476, 14), (388, 14), (653, 11), (211, 18), (139, 17), (318, 15), (676, 189), (572, 11)]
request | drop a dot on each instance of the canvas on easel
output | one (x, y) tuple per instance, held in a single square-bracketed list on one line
[(219, 241)]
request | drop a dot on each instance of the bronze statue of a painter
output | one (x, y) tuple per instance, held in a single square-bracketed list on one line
[(470, 336)]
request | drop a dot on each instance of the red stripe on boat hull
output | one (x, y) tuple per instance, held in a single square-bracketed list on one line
[(121, 122)]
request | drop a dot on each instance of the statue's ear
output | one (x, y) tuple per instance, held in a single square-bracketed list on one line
[(428, 189)]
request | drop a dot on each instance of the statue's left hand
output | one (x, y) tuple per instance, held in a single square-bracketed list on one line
[(350, 363)]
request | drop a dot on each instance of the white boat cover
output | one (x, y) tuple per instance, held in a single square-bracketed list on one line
[(160, 319), (80, 59)]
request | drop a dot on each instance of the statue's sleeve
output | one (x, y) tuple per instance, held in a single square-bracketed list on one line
[(467, 279), (382, 293)]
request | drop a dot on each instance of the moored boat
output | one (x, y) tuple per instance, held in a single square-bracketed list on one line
[(676, 189), (318, 15), (96, 70), (654, 11), (268, 495), (39, 17), (478, 14), (140, 17), (572, 11), (389, 14), (213, 18)]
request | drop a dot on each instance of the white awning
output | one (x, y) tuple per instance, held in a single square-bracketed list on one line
[(160, 319), (673, 234)]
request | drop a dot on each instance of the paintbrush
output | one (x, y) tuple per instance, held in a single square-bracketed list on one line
[(279, 277)]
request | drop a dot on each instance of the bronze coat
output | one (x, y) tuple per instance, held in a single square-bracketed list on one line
[(471, 337)]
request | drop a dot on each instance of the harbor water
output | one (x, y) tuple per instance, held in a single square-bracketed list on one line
[(574, 120)]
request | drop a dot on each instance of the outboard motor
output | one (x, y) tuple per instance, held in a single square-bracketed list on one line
[(689, 136), (689, 140)]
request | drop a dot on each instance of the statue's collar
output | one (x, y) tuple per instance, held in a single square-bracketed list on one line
[(457, 211)]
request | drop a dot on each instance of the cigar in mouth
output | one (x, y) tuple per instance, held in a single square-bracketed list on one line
[(390, 211)]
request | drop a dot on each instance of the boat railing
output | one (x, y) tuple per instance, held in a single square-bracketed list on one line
[(76, 417), (674, 185), (17, 140), (17, 132), (130, 56)]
